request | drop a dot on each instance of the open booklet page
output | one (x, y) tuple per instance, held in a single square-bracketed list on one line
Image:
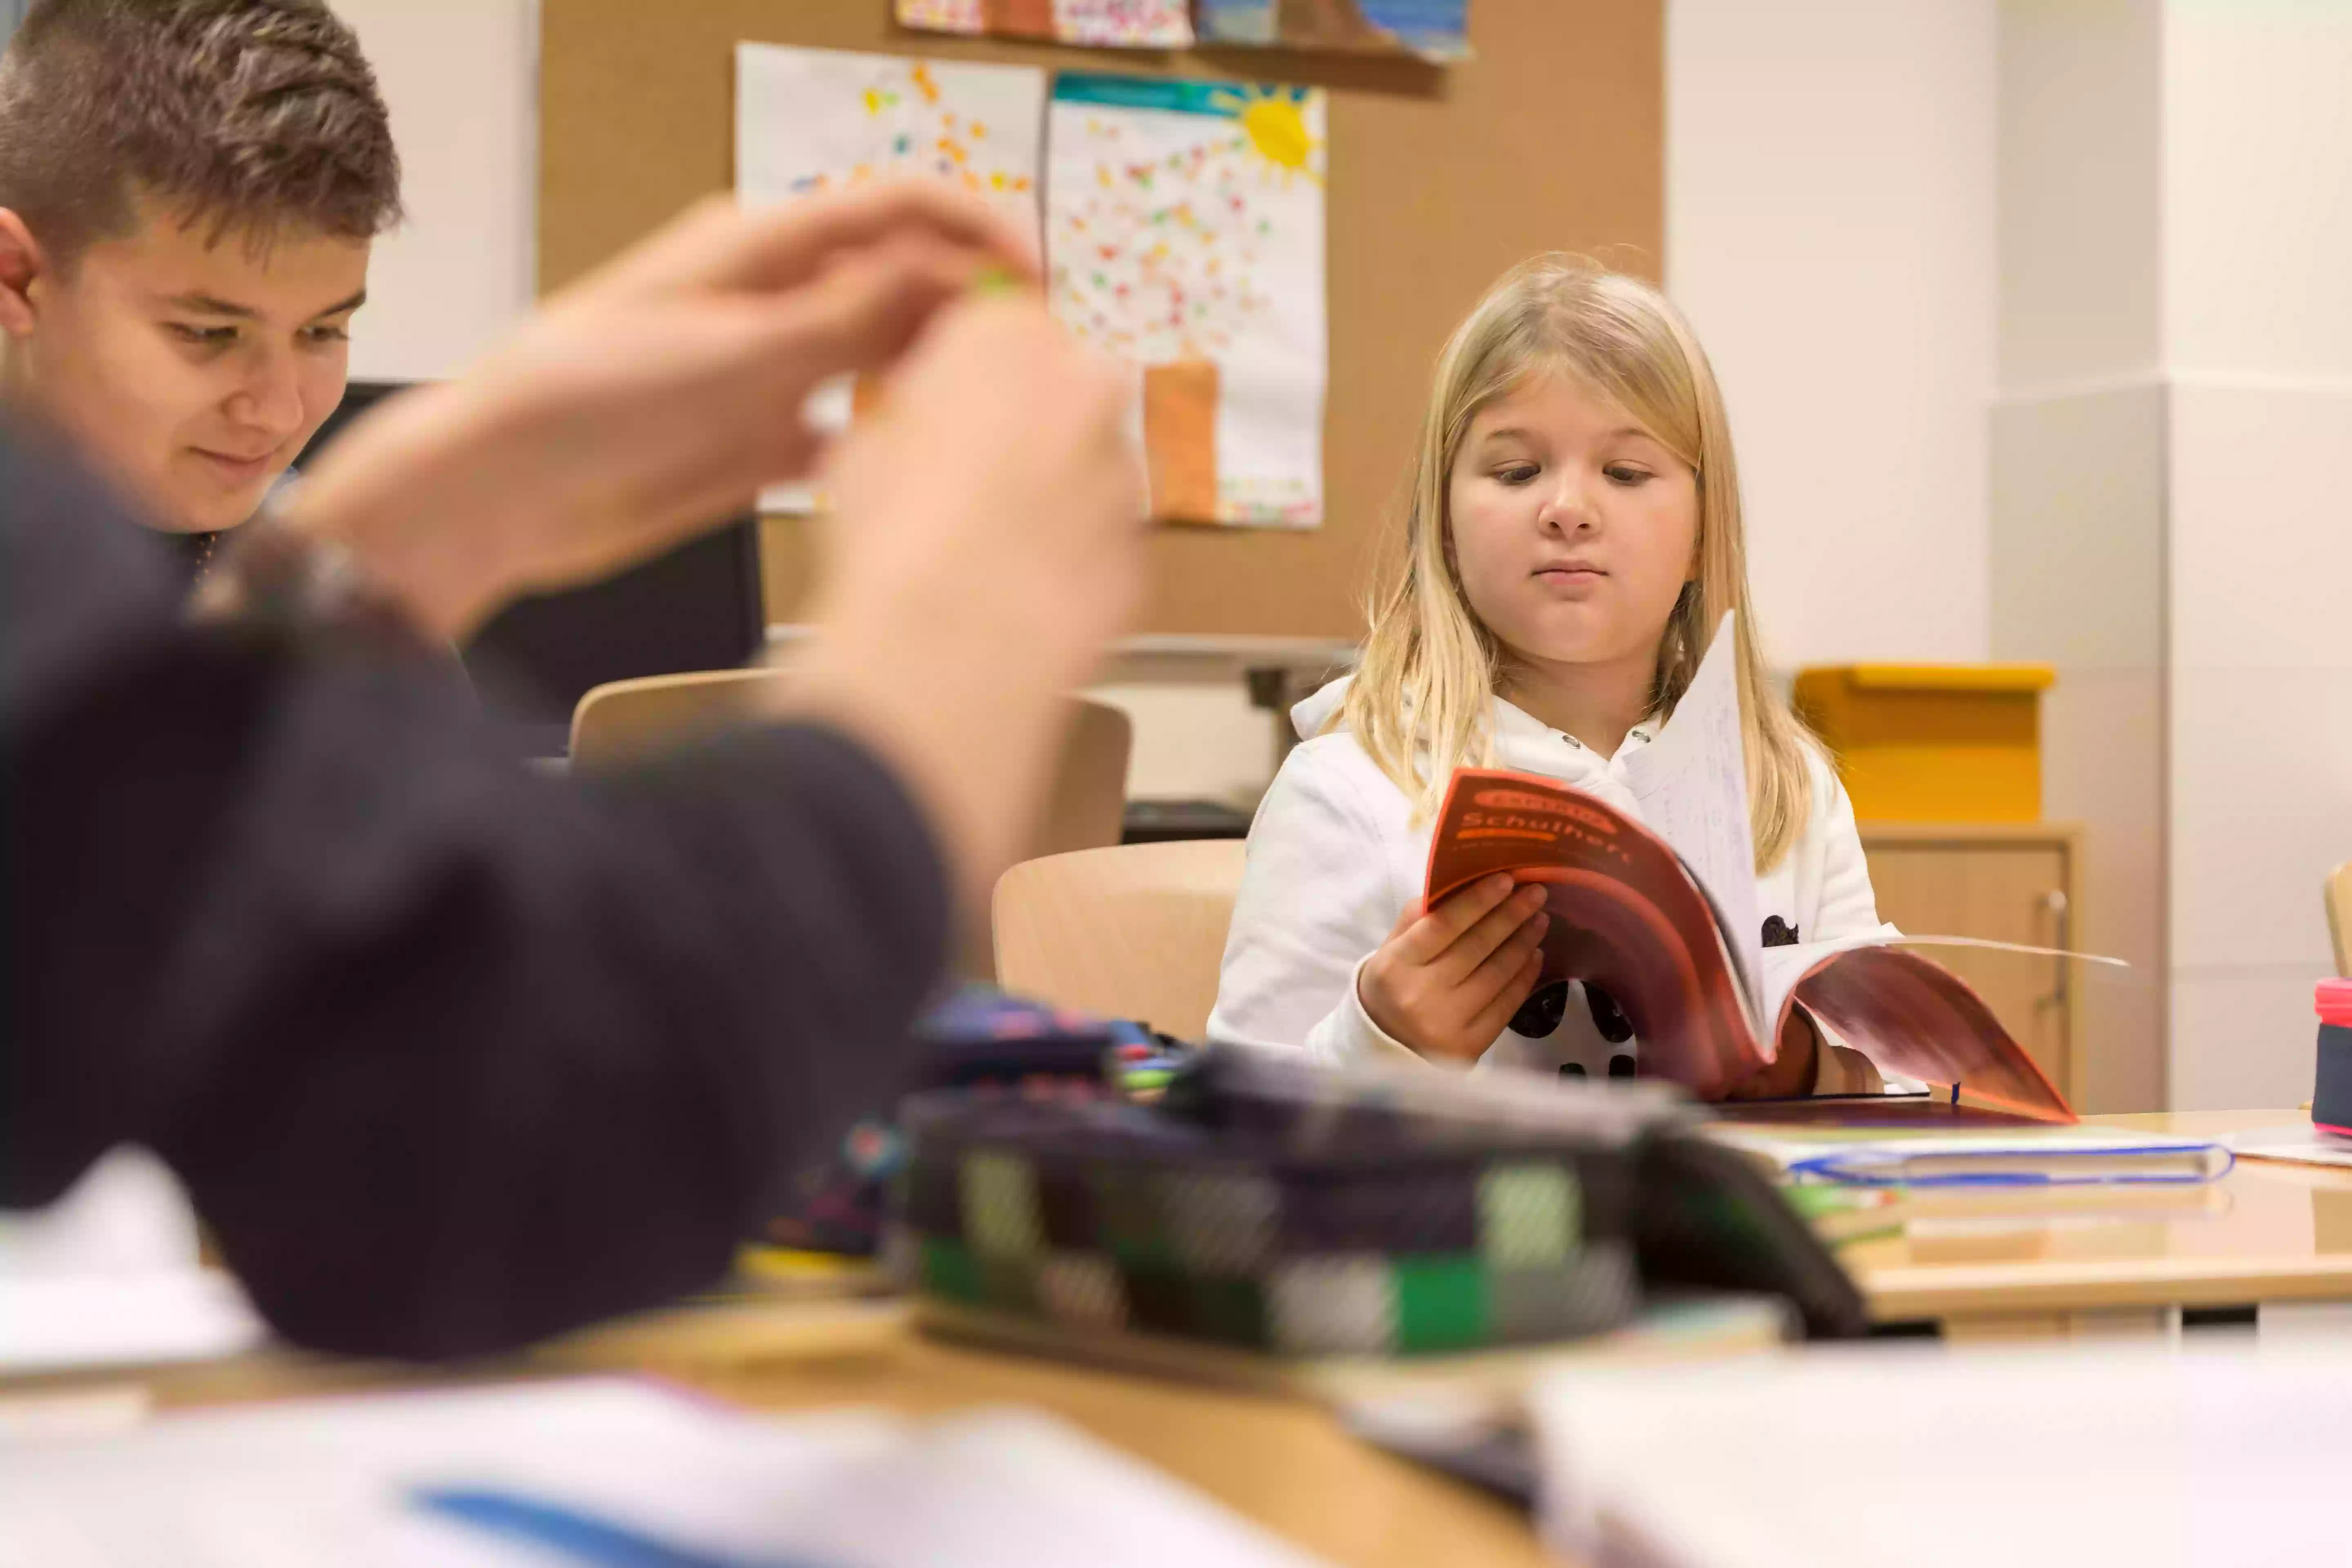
[(1628, 915), (1662, 914), (1691, 784), (1915, 1018)]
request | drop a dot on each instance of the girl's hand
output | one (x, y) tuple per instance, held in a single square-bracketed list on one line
[(1792, 1072), (1448, 979)]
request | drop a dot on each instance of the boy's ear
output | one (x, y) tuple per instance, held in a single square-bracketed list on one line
[(22, 262)]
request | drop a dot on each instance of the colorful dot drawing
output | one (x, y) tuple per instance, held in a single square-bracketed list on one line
[(811, 123), (1184, 227), (831, 120), (1148, 218)]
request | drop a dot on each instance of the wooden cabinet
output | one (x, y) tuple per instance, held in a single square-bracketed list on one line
[(2007, 883)]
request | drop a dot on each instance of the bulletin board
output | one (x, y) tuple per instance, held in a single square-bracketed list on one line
[(1551, 138)]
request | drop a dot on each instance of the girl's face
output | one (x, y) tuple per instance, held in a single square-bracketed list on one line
[(1574, 530)]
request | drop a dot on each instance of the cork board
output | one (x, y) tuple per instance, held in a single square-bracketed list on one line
[(1552, 136)]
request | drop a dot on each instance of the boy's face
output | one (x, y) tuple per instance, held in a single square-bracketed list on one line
[(194, 371)]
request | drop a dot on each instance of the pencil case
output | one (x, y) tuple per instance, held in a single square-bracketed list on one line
[(976, 1038), (1270, 1205)]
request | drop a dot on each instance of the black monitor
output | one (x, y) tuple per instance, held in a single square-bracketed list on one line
[(699, 607)]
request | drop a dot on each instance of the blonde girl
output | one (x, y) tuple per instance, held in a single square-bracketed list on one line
[(1571, 540)]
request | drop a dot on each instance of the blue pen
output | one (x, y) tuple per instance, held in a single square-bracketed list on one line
[(582, 1537)]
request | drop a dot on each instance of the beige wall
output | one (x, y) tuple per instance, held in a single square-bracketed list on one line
[(1830, 230), (2258, 250), (2177, 359), (2077, 457), (459, 77)]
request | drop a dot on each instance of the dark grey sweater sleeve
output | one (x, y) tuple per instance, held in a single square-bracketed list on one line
[(451, 1056)]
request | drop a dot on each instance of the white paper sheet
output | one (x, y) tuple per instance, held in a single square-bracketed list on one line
[(338, 1480), (809, 121), (1691, 784), (1859, 1459), (2303, 1145), (49, 1323), (1184, 233)]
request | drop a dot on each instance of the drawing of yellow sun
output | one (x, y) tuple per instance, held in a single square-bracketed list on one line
[(1277, 129)]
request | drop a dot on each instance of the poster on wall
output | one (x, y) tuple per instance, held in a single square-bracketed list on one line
[(1096, 24), (813, 121), (1437, 30), (1184, 234)]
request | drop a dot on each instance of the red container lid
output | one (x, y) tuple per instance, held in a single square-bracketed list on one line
[(2336, 1003)]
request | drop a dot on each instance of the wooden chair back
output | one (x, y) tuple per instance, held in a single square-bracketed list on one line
[(1135, 932), (630, 718), (626, 719)]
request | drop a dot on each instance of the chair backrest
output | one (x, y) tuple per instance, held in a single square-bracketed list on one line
[(1085, 811), (1088, 808), (2339, 916), (1135, 932), (627, 718), (632, 718)]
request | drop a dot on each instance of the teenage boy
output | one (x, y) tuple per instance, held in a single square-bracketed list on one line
[(189, 190)]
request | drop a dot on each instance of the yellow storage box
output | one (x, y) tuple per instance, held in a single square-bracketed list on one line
[(1932, 743)]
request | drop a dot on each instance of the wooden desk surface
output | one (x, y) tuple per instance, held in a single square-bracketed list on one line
[(1280, 1462), (2266, 1232)]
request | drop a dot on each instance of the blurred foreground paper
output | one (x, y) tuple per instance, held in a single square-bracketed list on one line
[(604, 1470), (50, 1325), (809, 121), (1184, 233), (1855, 1458)]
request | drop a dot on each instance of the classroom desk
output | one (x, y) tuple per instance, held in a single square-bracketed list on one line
[(2266, 1233), (1282, 1462)]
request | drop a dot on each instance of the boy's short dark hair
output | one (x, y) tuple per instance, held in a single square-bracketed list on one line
[(243, 115)]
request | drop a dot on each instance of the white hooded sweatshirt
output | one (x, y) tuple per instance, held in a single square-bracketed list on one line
[(1334, 858)]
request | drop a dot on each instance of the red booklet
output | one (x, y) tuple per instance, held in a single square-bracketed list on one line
[(1628, 915)]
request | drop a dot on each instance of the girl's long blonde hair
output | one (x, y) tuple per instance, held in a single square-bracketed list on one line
[(1421, 701)]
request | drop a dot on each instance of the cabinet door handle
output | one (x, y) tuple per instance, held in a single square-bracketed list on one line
[(2061, 935)]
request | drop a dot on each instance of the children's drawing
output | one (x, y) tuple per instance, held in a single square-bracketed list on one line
[(818, 120), (1184, 233), (813, 121), (1101, 24), (1437, 30)]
